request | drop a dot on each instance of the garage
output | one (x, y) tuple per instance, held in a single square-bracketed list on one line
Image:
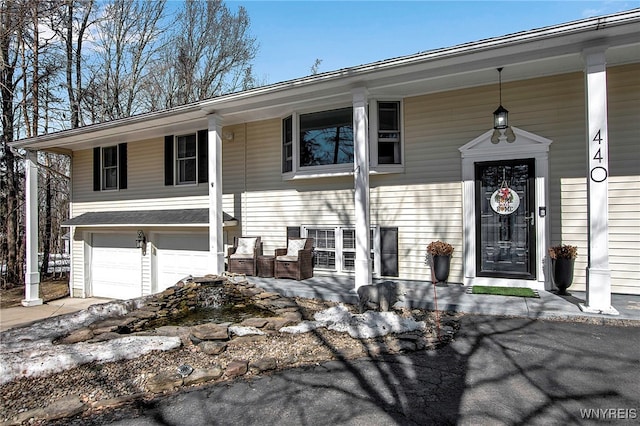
[(178, 256), (116, 266)]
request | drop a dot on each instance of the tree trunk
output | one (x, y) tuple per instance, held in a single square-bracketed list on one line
[(10, 27)]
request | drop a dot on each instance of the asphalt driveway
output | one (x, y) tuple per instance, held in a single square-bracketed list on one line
[(497, 371)]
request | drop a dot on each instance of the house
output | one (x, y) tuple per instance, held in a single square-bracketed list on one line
[(374, 162)]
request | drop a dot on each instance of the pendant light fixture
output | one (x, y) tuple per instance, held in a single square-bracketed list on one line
[(500, 115)]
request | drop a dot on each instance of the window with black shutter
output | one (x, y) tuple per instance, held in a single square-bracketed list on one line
[(186, 158), (110, 167)]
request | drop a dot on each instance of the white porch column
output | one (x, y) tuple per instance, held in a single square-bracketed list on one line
[(598, 273), (216, 240), (31, 276), (361, 197)]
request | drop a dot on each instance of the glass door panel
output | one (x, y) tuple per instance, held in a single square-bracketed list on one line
[(505, 219)]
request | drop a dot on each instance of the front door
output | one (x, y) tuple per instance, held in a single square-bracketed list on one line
[(505, 219)]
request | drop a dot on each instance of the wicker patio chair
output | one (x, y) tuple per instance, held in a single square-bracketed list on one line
[(296, 261), (243, 256)]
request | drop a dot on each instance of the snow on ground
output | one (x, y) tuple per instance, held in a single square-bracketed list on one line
[(360, 326), (29, 351)]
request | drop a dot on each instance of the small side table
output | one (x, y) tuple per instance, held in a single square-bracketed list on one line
[(265, 266)]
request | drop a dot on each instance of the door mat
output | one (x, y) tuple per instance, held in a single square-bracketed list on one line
[(503, 291)]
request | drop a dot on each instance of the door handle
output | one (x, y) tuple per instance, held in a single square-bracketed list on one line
[(531, 218)]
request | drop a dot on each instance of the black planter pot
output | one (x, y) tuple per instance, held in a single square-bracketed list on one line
[(441, 265), (563, 274)]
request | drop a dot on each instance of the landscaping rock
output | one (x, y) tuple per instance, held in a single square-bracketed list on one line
[(81, 335), (201, 375), (211, 331), (66, 407), (254, 322), (164, 381), (264, 364), (246, 340), (212, 348), (236, 368)]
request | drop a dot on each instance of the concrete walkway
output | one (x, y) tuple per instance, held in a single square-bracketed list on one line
[(414, 294), (21, 315), (455, 297)]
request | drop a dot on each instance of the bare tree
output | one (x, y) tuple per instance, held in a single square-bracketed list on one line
[(71, 24), (209, 53), (12, 30), (129, 36)]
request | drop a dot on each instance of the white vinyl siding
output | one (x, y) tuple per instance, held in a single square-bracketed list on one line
[(424, 201)]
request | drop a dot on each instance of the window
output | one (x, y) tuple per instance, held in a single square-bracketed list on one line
[(326, 137), (287, 145), (324, 241), (110, 167), (335, 248), (389, 133), (320, 143), (186, 159), (349, 249)]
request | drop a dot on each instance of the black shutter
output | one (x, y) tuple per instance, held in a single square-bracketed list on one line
[(168, 160), (389, 252), (122, 166), (293, 232), (203, 160), (96, 169)]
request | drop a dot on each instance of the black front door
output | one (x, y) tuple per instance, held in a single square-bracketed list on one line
[(505, 219)]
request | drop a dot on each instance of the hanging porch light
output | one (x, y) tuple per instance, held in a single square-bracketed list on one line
[(500, 115)]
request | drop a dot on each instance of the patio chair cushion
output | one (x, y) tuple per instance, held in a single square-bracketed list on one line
[(245, 247), (241, 256), (295, 246), (287, 258)]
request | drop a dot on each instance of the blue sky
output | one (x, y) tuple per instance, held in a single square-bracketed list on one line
[(293, 34)]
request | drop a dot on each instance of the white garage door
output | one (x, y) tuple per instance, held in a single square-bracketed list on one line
[(180, 255), (116, 266)]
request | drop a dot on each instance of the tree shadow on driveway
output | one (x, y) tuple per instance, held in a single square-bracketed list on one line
[(498, 370)]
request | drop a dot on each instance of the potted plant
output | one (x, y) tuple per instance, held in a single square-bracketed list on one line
[(563, 258), (440, 253)]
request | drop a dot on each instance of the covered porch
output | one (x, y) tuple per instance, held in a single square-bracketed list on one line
[(423, 295)]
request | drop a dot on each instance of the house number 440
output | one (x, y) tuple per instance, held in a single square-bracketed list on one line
[(598, 172)]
